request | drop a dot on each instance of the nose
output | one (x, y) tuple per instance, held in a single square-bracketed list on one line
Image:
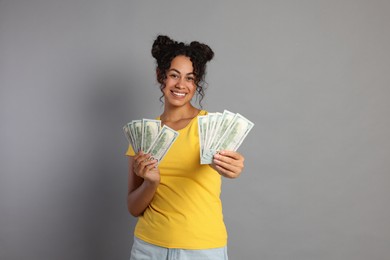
[(180, 83)]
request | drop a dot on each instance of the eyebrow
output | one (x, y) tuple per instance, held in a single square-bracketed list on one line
[(191, 73)]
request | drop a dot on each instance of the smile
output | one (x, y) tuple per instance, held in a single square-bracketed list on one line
[(178, 94)]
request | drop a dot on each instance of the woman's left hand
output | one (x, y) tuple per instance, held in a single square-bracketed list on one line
[(228, 163)]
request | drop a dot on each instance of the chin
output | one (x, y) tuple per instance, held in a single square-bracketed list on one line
[(177, 104)]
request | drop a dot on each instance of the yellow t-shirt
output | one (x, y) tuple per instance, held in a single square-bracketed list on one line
[(186, 211)]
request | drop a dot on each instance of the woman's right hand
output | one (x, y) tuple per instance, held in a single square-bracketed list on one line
[(144, 178), (146, 168)]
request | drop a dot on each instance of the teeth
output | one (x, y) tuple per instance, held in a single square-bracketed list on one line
[(179, 94)]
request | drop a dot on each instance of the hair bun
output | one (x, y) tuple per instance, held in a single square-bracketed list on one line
[(160, 45), (203, 49)]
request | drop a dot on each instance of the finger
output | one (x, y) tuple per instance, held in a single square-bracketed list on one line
[(139, 164), (227, 166), (142, 158), (152, 166), (138, 154), (147, 162), (226, 173), (148, 168), (231, 154), (229, 160)]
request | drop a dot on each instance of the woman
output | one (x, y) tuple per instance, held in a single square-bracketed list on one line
[(178, 203)]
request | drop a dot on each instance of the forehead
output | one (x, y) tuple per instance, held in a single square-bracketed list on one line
[(183, 64)]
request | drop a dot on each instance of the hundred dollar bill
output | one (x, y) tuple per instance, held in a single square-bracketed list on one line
[(132, 137), (162, 143), (215, 124), (150, 130), (210, 128), (202, 129), (137, 133), (130, 128), (235, 134), (127, 133), (227, 117)]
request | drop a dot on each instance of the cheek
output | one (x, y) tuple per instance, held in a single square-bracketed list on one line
[(192, 87), (169, 82)]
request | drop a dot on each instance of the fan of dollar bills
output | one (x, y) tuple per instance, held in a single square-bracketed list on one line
[(217, 131), (221, 131), (148, 136)]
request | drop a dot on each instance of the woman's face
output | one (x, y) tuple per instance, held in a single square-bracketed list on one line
[(180, 82)]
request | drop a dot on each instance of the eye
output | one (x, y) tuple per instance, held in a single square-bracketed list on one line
[(173, 76), (190, 78)]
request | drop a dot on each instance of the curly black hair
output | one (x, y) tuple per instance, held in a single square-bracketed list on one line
[(165, 49)]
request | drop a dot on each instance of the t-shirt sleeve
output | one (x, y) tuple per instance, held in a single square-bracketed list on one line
[(130, 151)]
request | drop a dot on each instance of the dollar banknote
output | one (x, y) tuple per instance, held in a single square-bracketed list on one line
[(202, 130), (150, 130), (213, 118), (127, 133), (136, 131), (163, 142), (218, 132), (148, 136), (235, 133)]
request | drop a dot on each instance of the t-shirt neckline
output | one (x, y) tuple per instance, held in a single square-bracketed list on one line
[(201, 112)]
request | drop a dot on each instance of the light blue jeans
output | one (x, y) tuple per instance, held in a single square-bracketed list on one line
[(144, 251)]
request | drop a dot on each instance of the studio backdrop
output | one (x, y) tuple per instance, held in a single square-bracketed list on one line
[(312, 75)]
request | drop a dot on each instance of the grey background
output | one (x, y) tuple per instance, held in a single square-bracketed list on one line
[(312, 75)]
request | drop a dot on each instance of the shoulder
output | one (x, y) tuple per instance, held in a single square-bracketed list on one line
[(203, 112)]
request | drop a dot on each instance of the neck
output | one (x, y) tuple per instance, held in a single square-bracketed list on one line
[(177, 113)]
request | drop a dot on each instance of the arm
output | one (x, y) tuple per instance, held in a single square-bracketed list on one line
[(143, 180), (228, 163)]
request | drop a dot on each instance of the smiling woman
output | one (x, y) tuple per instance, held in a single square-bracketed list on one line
[(179, 87), (177, 201), (165, 50)]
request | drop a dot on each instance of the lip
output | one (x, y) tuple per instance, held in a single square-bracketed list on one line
[(178, 94)]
